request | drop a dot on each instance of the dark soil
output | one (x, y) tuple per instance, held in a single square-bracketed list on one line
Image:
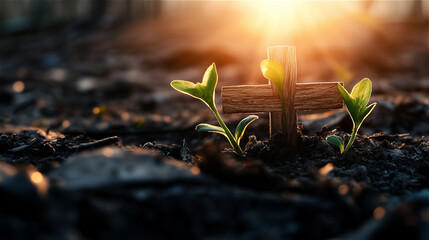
[(395, 164), (274, 192)]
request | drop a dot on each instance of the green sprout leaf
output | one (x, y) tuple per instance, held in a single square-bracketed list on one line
[(205, 127), (209, 83), (205, 91), (348, 100), (361, 92), (274, 72), (337, 141), (242, 125), (365, 113), (187, 88), (357, 100), (356, 106)]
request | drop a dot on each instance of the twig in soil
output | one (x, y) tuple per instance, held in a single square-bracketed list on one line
[(20, 148), (96, 144)]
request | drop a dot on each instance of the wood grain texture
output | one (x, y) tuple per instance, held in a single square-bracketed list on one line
[(286, 56), (260, 98)]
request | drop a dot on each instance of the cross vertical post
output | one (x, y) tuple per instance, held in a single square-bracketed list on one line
[(286, 56)]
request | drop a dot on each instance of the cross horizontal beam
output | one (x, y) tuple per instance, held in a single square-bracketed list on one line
[(260, 98)]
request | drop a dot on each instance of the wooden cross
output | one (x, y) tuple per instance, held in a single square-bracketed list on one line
[(298, 96)]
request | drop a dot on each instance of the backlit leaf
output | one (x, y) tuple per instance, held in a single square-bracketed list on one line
[(209, 83), (362, 92), (337, 141), (274, 71), (355, 103), (186, 87), (365, 113), (242, 125), (205, 127), (204, 91), (350, 103)]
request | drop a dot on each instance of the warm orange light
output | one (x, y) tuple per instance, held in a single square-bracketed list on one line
[(102, 109), (18, 86), (379, 213), (166, 119), (125, 116), (36, 177), (282, 19), (108, 152), (343, 189), (326, 169), (39, 181), (96, 110), (7, 169), (65, 124), (195, 170), (315, 27)]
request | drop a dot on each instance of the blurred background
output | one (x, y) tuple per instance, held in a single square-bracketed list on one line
[(103, 67)]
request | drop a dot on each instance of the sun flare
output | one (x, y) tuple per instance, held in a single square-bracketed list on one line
[(283, 19)]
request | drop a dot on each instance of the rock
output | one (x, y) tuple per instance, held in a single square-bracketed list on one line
[(112, 167), (85, 84)]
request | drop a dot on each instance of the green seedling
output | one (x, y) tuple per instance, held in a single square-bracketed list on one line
[(205, 91), (274, 72), (356, 106)]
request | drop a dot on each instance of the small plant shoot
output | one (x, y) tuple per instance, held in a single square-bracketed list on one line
[(274, 72), (356, 102), (205, 91)]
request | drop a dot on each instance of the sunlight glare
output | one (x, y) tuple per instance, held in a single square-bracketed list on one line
[(326, 169), (18, 86), (280, 19), (36, 177), (41, 183)]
